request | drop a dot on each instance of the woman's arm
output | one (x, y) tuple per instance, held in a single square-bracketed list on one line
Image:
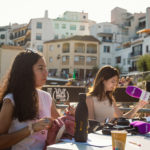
[(132, 112), (90, 106), (54, 111), (7, 140)]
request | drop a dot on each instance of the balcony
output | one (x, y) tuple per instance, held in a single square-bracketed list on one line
[(79, 50), (133, 68), (135, 54), (91, 63), (65, 62), (80, 62), (66, 50)]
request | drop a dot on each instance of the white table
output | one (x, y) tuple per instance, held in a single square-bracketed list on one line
[(143, 140)]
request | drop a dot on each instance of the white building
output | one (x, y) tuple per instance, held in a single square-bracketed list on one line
[(123, 40), (44, 29), (70, 24), (39, 30), (5, 35), (110, 37)]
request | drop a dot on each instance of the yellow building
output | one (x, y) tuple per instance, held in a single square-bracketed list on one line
[(7, 55), (77, 53)]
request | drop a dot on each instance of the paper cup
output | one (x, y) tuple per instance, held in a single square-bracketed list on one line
[(118, 139)]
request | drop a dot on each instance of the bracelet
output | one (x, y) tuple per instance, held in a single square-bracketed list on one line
[(30, 127)]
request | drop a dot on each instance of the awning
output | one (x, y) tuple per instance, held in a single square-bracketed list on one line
[(143, 31)]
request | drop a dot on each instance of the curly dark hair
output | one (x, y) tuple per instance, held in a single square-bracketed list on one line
[(20, 82), (105, 73)]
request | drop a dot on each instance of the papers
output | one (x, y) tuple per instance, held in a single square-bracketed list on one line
[(93, 140)]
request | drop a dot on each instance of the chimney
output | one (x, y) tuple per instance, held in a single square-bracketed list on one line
[(46, 14)]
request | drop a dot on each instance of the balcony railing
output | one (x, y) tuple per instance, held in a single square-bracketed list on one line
[(80, 62), (91, 63), (66, 50), (135, 54), (65, 62)]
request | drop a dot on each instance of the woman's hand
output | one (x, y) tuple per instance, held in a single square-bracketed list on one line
[(70, 110), (141, 104), (42, 124)]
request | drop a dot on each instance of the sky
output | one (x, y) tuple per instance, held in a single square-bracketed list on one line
[(21, 11)]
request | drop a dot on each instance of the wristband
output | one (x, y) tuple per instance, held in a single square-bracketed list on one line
[(30, 127)]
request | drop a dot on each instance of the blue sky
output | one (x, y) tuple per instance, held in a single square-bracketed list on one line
[(21, 11)]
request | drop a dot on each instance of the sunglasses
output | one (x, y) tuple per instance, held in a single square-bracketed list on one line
[(31, 50)]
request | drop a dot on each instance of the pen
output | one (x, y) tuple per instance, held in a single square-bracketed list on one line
[(135, 143)]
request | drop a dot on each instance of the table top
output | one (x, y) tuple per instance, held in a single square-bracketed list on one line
[(144, 140)]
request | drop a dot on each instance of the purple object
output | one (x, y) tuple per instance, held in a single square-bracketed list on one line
[(134, 91), (143, 127)]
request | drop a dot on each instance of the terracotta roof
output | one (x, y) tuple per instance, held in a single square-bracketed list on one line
[(12, 47), (76, 38)]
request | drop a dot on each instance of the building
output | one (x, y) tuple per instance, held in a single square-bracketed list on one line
[(110, 37), (70, 24), (138, 42), (77, 54), (124, 39), (5, 35), (39, 30), (7, 55)]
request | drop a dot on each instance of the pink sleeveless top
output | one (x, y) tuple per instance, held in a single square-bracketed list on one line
[(36, 141)]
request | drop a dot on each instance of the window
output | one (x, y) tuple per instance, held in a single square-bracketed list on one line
[(118, 60), (76, 58), (50, 59), (56, 26), (82, 28), (56, 36), (39, 25), (63, 26), (88, 59), (79, 60), (2, 36), (38, 37), (40, 48), (66, 48), (84, 17), (106, 49), (65, 58), (92, 48), (72, 27), (58, 45), (51, 47), (137, 50)]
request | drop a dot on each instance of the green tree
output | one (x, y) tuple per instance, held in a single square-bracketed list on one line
[(143, 63)]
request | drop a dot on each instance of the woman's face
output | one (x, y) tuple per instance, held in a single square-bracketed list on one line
[(40, 72), (111, 84)]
